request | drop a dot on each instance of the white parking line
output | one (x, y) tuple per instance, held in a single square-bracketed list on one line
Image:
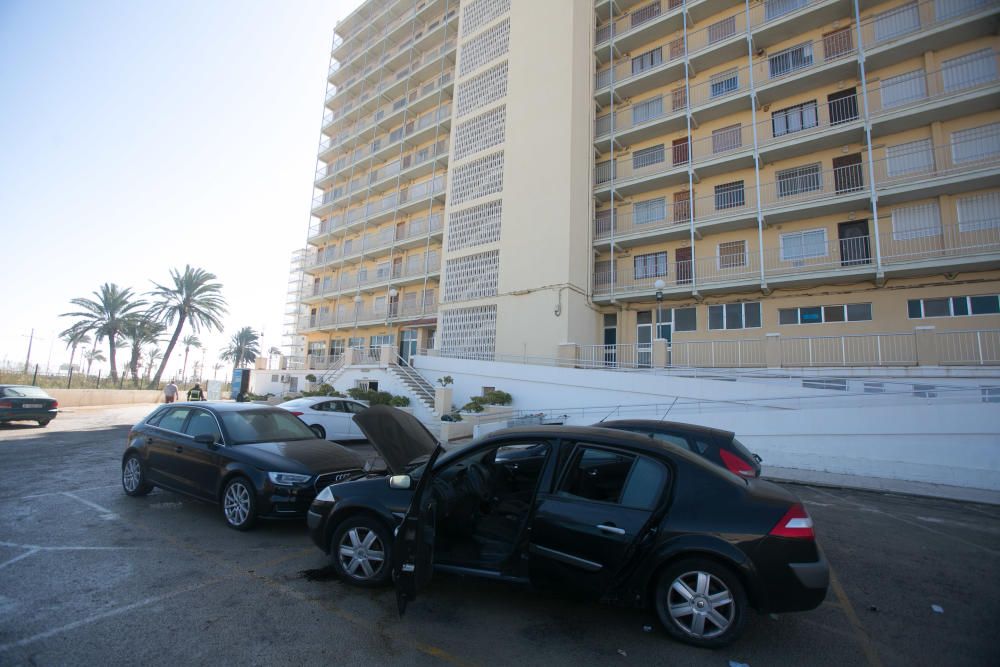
[(106, 614), (59, 493), (17, 558), (107, 514)]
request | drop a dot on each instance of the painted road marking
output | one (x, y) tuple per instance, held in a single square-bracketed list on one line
[(852, 617), (105, 512)]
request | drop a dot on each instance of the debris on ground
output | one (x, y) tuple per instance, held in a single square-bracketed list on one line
[(622, 653), (872, 608), (647, 628), (937, 609), (733, 663)]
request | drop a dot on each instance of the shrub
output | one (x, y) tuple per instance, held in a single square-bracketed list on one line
[(473, 405), (445, 381), (311, 378), (400, 401), (498, 398)]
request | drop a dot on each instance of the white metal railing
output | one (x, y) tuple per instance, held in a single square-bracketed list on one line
[(896, 349), (941, 241), (614, 356), (912, 18), (917, 87), (920, 161), (978, 347), (373, 242), (739, 353), (355, 316)]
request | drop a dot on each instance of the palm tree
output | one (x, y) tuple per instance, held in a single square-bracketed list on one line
[(188, 342), (215, 367), (273, 352), (152, 354), (194, 296), (93, 355), (243, 348), (107, 315), (138, 333), (73, 337)]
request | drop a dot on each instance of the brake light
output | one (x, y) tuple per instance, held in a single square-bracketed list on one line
[(735, 464), (796, 524), (6, 404), (297, 414), (55, 404)]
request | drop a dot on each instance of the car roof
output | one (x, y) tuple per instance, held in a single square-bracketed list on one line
[(658, 425), (223, 406)]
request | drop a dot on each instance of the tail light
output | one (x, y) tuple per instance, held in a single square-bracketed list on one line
[(735, 464), (796, 524), (55, 404), (6, 404), (297, 414)]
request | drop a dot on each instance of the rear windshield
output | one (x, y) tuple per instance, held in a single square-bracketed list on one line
[(297, 402), (250, 426), (23, 392), (742, 449)]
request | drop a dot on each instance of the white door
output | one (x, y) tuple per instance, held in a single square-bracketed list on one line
[(332, 418)]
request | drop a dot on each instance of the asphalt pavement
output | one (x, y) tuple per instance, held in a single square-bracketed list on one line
[(90, 576)]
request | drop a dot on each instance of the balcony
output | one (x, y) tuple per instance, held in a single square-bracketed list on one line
[(352, 317), (408, 167), (651, 21), (402, 236), (411, 271)]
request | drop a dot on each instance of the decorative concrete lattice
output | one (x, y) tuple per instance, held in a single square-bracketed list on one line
[(479, 133), (479, 178), (484, 47), (484, 88), (478, 13), (472, 276), (469, 332), (474, 226)]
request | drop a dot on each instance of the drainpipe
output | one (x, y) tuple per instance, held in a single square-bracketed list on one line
[(756, 150), (690, 149), (614, 169), (868, 138)]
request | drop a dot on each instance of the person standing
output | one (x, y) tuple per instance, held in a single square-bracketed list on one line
[(170, 392), (195, 393)]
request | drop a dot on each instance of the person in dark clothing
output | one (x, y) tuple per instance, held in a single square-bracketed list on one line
[(195, 393)]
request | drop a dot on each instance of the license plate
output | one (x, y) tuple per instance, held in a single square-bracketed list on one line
[(31, 405)]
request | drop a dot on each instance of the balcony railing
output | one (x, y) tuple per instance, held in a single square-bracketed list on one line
[(353, 316), (376, 241), (738, 199), (921, 162), (913, 18), (393, 168), (962, 75), (940, 242)]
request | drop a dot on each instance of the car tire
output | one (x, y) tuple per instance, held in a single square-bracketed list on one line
[(42, 423), (701, 602), (319, 431), (239, 503), (134, 477), (356, 546)]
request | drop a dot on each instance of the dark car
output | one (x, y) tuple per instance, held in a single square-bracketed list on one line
[(254, 460), (26, 403), (718, 446), (619, 516)]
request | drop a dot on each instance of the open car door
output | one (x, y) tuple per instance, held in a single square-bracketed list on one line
[(413, 549)]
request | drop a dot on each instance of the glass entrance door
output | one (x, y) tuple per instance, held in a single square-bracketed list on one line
[(644, 339), (407, 345)]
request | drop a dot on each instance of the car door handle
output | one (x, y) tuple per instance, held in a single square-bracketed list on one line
[(178, 449), (614, 530)]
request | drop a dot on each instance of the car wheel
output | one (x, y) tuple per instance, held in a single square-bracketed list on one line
[(701, 602), (319, 431), (43, 422), (134, 477), (239, 504), (361, 551)]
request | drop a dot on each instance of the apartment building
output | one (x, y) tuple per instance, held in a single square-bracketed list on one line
[(504, 178)]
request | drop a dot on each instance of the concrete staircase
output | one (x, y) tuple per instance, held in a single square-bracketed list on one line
[(415, 382)]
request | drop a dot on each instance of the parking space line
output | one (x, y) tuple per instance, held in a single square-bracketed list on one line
[(852, 617), (108, 514), (60, 493), (117, 611), (13, 560)]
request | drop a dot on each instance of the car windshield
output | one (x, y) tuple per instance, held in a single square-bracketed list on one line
[(23, 392), (249, 426), (297, 402)]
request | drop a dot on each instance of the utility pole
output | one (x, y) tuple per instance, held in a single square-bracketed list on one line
[(27, 360)]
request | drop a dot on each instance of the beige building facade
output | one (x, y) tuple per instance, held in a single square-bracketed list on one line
[(512, 178)]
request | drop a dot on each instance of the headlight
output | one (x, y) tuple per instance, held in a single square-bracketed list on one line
[(326, 495), (287, 478)]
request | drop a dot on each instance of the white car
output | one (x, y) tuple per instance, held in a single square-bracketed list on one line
[(330, 418)]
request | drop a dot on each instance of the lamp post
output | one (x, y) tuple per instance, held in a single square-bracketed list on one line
[(659, 285)]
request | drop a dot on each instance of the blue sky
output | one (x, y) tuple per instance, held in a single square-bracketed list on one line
[(137, 136)]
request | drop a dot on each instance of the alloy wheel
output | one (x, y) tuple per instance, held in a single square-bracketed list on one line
[(361, 553), (237, 503), (700, 604), (131, 475)]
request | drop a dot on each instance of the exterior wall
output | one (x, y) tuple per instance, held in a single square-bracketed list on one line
[(73, 398)]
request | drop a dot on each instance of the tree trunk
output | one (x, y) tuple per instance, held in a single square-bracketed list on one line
[(111, 358), (133, 364), (170, 348), (72, 353), (184, 367)]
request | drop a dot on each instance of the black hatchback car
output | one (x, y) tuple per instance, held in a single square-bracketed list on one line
[(254, 460), (20, 402), (620, 516), (713, 444)]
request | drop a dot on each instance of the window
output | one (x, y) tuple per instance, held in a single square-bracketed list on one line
[(729, 195), (685, 319), (904, 88), (646, 13), (976, 144), (955, 306), (914, 222), (794, 119), (681, 152), (173, 420), (796, 246), (837, 44), (897, 21), (647, 60), (727, 139), (614, 477), (203, 422), (775, 8), (734, 316), (721, 30), (789, 60), (647, 110), (799, 180), (843, 106), (650, 211), (979, 212), (648, 156), (852, 312), (724, 82), (651, 265), (915, 157), (947, 8), (969, 70), (732, 254)]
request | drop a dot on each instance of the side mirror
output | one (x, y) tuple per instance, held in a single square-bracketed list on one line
[(400, 482), (205, 439)]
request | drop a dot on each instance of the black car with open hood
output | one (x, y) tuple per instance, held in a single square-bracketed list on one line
[(617, 515)]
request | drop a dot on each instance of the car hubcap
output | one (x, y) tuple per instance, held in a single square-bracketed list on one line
[(237, 504), (131, 475), (361, 553), (700, 604)]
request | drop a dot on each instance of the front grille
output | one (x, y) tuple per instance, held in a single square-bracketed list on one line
[(329, 478)]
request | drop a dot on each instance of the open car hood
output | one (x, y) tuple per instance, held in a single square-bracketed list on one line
[(397, 436)]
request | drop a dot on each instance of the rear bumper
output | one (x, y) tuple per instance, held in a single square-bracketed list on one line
[(794, 575), (8, 414), (813, 575)]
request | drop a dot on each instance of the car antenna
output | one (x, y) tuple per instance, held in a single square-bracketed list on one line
[(613, 411), (669, 408)]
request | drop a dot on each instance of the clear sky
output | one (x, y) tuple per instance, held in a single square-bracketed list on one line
[(141, 135)]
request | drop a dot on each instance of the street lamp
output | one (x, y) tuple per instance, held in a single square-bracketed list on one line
[(393, 293), (659, 285)]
